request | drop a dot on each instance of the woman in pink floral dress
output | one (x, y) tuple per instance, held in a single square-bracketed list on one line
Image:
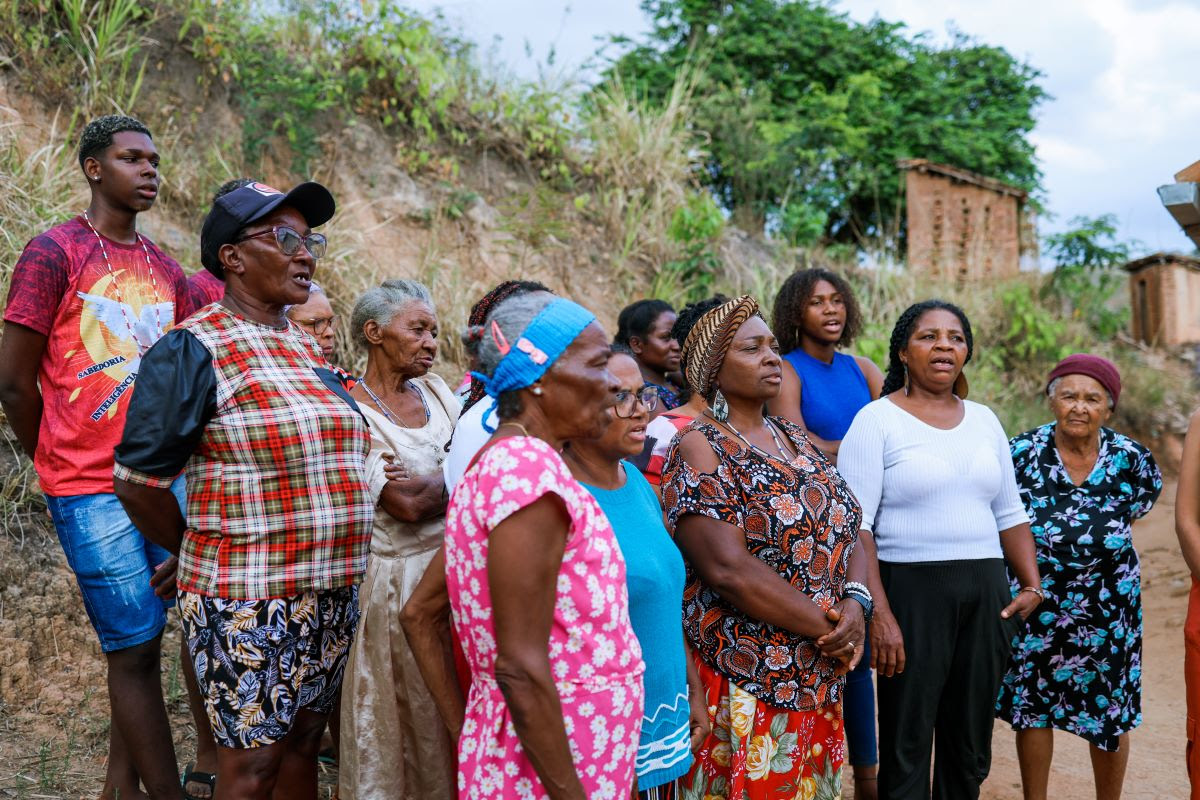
[(535, 576)]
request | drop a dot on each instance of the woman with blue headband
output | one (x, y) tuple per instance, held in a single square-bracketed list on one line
[(536, 578)]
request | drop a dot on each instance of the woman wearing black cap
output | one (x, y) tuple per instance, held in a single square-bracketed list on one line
[(279, 514)]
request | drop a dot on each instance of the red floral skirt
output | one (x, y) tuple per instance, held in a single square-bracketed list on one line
[(758, 751)]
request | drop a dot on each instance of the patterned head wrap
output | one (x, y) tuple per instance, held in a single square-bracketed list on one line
[(705, 347)]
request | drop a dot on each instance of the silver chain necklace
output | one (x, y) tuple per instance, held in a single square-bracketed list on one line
[(117, 287), (774, 436), (387, 412)]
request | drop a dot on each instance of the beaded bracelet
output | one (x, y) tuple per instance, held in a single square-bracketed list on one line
[(860, 588)]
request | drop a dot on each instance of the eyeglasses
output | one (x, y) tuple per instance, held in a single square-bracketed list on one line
[(318, 326), (627, 401), (289, 241)]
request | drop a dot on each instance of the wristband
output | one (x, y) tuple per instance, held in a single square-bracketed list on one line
[(867, 606)]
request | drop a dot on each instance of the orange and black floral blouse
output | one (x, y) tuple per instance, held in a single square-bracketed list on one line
[(800, 519)]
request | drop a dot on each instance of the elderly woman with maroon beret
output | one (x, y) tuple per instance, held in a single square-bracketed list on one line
[(1077, 667)]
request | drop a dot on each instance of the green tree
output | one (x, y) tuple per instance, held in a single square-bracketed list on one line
[(1087, 278), (808, 111)]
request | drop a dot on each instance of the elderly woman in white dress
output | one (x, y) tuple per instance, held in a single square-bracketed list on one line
[(393, 742)]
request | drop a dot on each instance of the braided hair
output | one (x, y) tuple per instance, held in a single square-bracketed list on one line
[(479, 315), (686, 319), (792, 299), (904, 330)]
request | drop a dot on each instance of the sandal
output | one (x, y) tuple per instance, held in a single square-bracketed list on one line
[(193, 776)]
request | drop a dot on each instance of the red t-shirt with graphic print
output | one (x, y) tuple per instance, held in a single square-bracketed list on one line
[(205, 288), (98, 319)]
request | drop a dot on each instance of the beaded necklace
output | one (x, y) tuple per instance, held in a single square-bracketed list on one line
[(387, 412), (117, 287)]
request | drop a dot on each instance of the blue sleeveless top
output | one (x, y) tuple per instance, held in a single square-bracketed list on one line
[(830, 394)]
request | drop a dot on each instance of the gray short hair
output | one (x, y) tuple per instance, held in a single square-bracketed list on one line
[(313, 288), (383, 302), (1053, 387), (512, 316)]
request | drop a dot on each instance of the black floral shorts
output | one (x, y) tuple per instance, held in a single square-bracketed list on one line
[(259, 662)]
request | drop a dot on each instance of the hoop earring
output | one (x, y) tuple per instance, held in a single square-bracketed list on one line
[(907, 381), (719, 407)]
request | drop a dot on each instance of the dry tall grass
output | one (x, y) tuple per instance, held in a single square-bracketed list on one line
[(41, 188), (644, 160)]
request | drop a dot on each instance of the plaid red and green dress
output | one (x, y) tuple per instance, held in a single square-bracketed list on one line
[(274, 450)]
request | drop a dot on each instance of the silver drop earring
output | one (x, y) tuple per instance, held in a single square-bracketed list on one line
[(906, 380), (720, 407)]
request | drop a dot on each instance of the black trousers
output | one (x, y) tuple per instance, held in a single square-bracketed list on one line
[(957, 649)]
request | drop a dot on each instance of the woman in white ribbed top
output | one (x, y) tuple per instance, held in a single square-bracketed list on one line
[(940, 507)]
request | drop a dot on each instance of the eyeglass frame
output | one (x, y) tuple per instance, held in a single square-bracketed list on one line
[(304, 240), (640, 397), (318, 326)]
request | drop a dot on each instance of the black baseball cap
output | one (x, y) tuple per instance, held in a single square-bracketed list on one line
[(235, 210)]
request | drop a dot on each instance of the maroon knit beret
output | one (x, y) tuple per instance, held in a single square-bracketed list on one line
[(1103, 370)]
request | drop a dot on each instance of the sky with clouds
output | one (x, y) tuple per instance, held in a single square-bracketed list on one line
[(1124, 76)]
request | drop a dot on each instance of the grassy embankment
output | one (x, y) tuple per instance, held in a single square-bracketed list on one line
[(450, 174)]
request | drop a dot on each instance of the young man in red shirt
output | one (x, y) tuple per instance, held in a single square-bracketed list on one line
[(88, 298)]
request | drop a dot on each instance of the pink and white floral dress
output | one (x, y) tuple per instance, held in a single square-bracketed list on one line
[(594, 654)]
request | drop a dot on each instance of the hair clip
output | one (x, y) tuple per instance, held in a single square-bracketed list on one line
[(498, 337), (536, 355)]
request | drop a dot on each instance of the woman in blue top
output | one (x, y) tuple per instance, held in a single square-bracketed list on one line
[(815, 313), (676, 719)]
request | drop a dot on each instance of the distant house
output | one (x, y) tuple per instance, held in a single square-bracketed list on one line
[(1164, 292), (965, 226)]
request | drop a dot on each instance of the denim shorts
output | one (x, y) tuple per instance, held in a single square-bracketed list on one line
[(112, 565)]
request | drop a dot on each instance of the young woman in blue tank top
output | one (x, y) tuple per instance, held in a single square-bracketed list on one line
[(815, 313)]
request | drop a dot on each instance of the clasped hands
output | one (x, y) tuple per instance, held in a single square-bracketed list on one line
[(845, 641)]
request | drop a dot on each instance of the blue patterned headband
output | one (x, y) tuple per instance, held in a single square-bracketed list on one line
[(538, 347)]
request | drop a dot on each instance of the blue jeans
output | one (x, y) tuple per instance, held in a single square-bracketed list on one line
[(858, 712), (112, 565)]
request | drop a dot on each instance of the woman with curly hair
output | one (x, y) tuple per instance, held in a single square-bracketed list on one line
[(815, 315), (940, 504)]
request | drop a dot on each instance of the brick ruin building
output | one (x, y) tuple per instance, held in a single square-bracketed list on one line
[(1164, 294), (1164, 289), (965, 226)]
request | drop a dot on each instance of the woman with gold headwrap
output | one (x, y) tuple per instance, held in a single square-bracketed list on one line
[(775, 604)]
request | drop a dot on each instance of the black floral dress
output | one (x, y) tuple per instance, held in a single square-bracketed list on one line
[(1078, 666)]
